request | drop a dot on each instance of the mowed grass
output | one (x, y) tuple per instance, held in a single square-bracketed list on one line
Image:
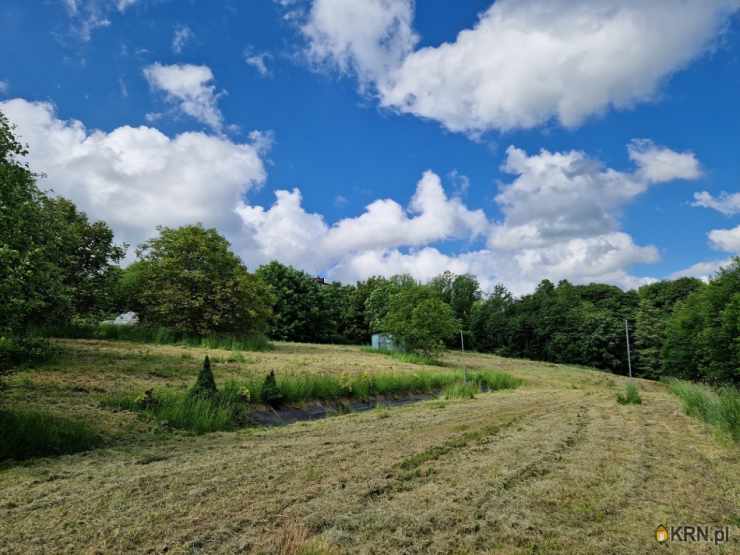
[(554, 466)]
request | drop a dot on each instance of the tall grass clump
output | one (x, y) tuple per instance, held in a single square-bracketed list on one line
[(461, 390), (28, 433), (716, 406), (630, 397), (297, 389), (157, 336), (183, 411), (403, 356)]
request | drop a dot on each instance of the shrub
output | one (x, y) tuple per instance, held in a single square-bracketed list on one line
[(24, 351), (631, 396), (270, 392), (205, 385)]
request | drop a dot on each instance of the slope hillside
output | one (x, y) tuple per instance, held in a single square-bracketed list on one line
[(554, 466)]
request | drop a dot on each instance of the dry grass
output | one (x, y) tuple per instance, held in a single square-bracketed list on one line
[(556, 466)]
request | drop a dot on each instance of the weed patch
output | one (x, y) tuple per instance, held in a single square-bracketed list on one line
[(630, 397), (29, 433), (716, 406)]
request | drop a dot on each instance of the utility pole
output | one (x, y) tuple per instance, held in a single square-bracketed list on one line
[(629, 362), (462, 344)]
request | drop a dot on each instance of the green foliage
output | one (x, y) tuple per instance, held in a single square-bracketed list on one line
[(717, 406), (355, 320), (420, 321), (376, 305), (158, 336), (630, 397), (461, 293), (86, 258), (565, 324), (205, 384), (223, 411), (461, 391), (270, 392), (24, 351), (193, 283), (703, 335), (301, 310), (649, 337), (29, 433)]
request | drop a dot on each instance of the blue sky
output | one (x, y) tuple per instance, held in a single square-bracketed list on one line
[(365, 137)]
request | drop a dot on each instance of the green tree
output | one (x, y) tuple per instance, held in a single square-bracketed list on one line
[(461, 292), (489, 321), (355, 320), (649, 338), (194, 283), (86, 257), (376, 305), (420, 321), (29, 280), (301, 311)]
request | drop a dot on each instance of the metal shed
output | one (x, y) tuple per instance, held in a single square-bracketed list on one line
[(384, 341)]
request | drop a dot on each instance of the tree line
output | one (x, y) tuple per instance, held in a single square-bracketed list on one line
[(56, 266)]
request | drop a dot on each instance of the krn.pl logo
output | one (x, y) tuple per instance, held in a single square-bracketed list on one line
[(661, 534)]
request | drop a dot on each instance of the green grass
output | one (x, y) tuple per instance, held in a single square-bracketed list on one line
[(158, 336), (461, 390), (30, 433), (227, 410), (411, 358), (630, 397), (717, 406), (177, 409)]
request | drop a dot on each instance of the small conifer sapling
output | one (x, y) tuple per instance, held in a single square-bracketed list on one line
[(270, 393), (205, 385)]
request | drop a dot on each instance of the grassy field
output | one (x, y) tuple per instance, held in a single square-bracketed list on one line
[(554, 466)]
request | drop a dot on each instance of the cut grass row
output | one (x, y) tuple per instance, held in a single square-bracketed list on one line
[(156, 336)]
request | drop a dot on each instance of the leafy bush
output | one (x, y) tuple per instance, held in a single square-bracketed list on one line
[(631, 396), (205, 385), (24, 351), (29, 433)]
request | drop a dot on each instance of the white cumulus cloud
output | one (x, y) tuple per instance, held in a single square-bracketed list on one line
[(187, 85), (524, 63), (561, 221), (727, 240), (563, 196), (727, 204), (138, 178)]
